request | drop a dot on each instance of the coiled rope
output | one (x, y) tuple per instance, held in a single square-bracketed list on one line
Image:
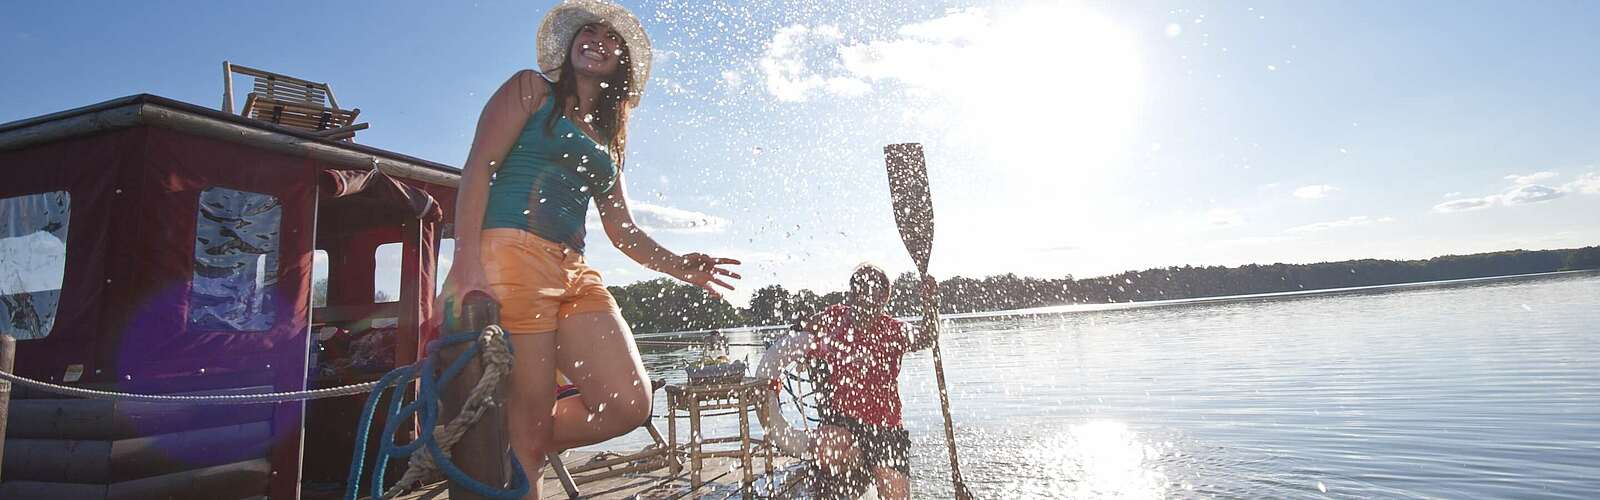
[(437, 440)]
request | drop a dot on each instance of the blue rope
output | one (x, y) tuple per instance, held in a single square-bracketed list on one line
[(426, 408)]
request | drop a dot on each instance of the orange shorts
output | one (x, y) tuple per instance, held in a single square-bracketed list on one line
[(539, 282)]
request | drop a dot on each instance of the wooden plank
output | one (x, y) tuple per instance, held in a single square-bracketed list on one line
[(249, 104), (280, 95), (236, 480), (57, 461), (180, 451), (286, 83), (300, 108), (722, 481), (291, 94), (38, 489), (289, 83), (260, 73), (344, 132), (79, 419)]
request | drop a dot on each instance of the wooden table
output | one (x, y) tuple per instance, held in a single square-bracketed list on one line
[(738, 398)]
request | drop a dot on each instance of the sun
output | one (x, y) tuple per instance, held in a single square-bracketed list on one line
[(1065, 93)]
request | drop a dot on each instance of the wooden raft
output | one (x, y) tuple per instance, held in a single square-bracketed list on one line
[(722, 478)]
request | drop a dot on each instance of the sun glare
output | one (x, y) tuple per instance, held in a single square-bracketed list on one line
[(1058, 91), (1094, 459)]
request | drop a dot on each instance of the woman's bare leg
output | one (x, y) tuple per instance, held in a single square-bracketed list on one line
[(596, 351), (529, 407)]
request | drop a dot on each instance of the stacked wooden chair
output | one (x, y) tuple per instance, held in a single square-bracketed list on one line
[(291, 102)]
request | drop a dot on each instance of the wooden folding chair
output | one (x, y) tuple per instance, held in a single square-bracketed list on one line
[(291, 102)]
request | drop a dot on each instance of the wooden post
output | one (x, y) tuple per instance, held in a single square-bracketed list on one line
[(674, 461), (482, 451), (695, 459), (227, 87), (8, 354), (748, 482)]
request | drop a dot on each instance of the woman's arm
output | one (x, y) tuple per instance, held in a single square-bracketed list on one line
[(696, 269), (499, 124)]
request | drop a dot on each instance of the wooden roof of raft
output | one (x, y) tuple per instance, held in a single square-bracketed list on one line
[(157, 111)]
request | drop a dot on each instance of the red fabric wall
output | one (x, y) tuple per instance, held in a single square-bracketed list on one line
[(130, 259)]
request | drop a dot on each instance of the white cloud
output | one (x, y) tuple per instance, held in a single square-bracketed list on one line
[(1467, 204), (1530, 193), (1314, 192), (662, 219), (651, 217), (1530, 178), (1359, 220), (1082, 87), (801, 59), (1523, 191), (1588, 183), (1093, 74)]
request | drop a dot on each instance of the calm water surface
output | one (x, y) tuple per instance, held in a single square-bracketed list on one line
[(1488, 389)]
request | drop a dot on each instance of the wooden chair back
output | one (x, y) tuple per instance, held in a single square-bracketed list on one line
[(291, 102)]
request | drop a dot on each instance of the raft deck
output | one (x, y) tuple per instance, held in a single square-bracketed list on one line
[(721, 476)]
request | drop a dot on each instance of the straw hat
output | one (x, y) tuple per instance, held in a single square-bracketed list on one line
[(563, 21)]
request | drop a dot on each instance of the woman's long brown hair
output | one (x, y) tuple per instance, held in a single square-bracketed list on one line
[(611, 116)]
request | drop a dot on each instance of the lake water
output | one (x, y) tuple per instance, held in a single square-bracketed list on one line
[(1463, 390)]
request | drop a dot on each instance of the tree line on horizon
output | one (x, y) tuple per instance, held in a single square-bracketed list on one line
[(665, 305)]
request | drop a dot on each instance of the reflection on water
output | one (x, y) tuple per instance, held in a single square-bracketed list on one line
[(1095, 459), (1484, 390)]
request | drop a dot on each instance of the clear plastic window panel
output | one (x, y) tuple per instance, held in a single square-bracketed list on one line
[(235, 261), (33, 260), (319, 278), (386, 272)]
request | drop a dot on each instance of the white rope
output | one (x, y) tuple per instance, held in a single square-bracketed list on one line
[(495, 354), (215, 399)]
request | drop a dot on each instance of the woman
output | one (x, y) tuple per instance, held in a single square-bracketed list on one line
[(546, 144)]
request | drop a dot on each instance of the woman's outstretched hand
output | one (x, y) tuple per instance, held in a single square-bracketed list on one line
[(706, 272)]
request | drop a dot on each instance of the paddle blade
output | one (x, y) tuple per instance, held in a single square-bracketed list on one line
[(913, 205)]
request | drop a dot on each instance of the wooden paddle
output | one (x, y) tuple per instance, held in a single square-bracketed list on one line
[(913, 213)]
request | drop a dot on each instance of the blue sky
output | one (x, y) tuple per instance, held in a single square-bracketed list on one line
[(1062, 137)]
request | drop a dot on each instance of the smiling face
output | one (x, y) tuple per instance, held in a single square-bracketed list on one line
[(597, 51)]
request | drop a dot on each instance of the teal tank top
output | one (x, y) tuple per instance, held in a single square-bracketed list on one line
[(545, 184)]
